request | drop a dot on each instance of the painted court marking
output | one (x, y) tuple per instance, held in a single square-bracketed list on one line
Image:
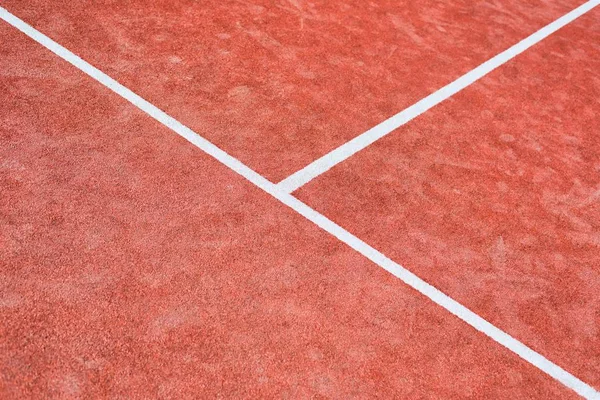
[(336, 156), (320, 220)]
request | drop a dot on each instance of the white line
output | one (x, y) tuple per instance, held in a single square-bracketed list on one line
[(136, 100), (320, 220), (336, 156)]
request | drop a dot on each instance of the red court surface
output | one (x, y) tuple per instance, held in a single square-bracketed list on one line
[(493, 197), (278, 84), (135, 266)]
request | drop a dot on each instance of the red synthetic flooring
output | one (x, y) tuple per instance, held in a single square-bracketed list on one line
[(134, 265), (493, 197), (279, 84)]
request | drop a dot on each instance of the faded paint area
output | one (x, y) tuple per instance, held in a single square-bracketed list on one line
[(494, 197), (277, 84), (134, 266)]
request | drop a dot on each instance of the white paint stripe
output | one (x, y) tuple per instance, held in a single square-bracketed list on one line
[(336, 156), (320, 220), (136, 100)]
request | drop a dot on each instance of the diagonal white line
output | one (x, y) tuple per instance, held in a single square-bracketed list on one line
[(320, 220), (336, 156)]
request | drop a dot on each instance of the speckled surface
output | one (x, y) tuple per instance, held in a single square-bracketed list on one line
[(280, 83), (494, 197), (134, 266)]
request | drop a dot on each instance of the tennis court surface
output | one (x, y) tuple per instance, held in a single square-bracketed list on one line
[(300, 199)]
